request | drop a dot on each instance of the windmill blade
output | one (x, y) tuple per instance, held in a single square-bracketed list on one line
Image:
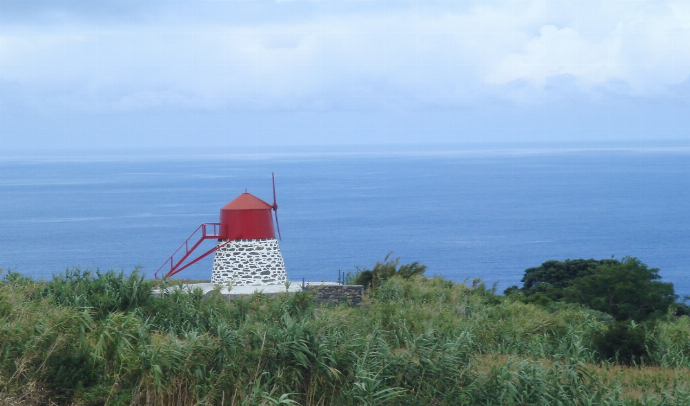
[(275, 205), (278, 225)]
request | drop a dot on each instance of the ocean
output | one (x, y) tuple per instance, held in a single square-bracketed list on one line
[(465, 212)]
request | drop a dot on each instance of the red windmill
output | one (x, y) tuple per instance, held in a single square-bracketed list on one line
[(247, 252)]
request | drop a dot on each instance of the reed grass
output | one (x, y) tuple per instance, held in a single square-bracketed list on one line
[(95, 338)]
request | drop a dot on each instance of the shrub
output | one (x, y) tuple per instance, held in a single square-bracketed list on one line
[(624, 342), (538, 299), (67, 372), (385, 270)]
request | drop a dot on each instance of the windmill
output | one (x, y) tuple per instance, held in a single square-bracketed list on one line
[(247, 252)]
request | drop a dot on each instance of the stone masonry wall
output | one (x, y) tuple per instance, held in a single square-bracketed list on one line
[(249, 263), (337, 294)]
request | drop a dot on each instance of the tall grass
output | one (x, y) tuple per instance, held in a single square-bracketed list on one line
[(94, 338)]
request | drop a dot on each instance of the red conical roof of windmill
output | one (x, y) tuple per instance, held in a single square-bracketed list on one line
[(247, 201)]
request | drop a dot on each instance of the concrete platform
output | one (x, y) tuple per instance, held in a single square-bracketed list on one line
[(248, 290)]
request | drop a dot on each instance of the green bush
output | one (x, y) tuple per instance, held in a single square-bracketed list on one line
[(623, 342), (385, 270), (538, 299), (69, 372)]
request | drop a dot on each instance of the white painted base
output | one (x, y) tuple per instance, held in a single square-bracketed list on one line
[(249, 263)]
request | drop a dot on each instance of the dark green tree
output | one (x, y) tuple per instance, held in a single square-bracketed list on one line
[(552, 277), (625, 290)]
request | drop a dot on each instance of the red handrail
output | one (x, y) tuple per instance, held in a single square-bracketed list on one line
[(176, 266)]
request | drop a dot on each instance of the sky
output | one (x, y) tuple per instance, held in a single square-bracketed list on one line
[(224, 74)]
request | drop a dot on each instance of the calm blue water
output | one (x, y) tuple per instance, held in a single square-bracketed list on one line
[(484, 213)]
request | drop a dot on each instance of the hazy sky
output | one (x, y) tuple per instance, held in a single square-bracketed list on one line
[(137, 73)]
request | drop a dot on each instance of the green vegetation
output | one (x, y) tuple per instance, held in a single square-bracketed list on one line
[(104, 338), (627, 289), (385, 270)]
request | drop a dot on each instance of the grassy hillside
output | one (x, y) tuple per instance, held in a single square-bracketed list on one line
[(103, 338)]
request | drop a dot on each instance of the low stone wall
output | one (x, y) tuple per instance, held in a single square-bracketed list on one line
[(337, 294)]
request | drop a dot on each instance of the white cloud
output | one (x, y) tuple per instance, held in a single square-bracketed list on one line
[(643, 44), (411, 54), (557, 52)]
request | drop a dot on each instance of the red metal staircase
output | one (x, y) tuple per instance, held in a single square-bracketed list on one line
[(206, 231)]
